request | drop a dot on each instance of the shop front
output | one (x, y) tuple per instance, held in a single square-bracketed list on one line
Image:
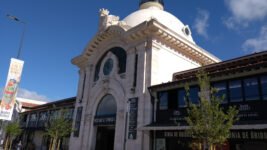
[(238, 140), (170, 129)]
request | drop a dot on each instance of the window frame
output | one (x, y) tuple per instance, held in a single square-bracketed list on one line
[(245, 89), (165, 106), (241, 91), (226, 94), (263, 93)]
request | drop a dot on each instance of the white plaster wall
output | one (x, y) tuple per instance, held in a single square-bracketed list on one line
[(166, 61)]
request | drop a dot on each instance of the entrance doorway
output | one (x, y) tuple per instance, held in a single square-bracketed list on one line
[(105, 138), (105, 121)]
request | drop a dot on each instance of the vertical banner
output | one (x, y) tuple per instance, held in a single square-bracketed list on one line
[(10, 91)]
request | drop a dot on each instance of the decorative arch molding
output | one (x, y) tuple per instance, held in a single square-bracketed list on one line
[(112, 32), (111, 87), (101, 50), (121, 56), (114, 88), (107, 106)]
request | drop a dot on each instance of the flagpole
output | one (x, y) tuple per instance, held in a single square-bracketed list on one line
[(21, 40), (14, 18)]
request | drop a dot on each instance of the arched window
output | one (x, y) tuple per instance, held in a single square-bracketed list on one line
[(107, 106), (120, 53)]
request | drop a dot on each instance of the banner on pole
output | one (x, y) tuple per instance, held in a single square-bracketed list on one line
[(10, 91)]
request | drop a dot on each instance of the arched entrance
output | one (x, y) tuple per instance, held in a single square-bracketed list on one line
[(105, 120)]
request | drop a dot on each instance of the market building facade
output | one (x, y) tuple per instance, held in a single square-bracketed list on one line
[(116, 68), (35, 121)]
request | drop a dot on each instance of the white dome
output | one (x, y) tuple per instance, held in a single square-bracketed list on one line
[(161, 16)]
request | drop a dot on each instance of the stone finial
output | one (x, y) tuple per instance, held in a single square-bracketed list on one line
[(106, 19), (103, 12)]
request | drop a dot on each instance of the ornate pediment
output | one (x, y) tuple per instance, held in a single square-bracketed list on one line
[(147, 30)]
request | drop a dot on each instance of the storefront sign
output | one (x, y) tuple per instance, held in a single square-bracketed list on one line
[(105, 120), (133, 110), (179, 134), (10, 91), (249, 134), (234, 134)]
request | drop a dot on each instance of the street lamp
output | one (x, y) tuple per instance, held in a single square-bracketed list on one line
[(23, 32)]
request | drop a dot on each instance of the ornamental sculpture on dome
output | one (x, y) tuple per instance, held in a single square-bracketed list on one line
[(106, 20)]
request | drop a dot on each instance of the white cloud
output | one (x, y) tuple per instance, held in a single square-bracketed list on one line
[(245, 11), (258, 43), (201, 23), (24, 93)]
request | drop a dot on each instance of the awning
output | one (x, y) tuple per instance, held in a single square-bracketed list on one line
[(159, 127)]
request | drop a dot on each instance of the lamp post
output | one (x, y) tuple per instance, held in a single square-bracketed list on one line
[(23, 32)]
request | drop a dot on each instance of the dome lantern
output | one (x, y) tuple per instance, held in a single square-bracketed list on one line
[(151, 3)]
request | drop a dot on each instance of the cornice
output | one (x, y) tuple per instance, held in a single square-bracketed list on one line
[(143, 31)]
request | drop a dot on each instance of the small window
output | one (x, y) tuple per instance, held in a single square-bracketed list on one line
[(181, 98), (194, 98), (33, 117), (163, 101), (54, 114), (235, 89), (24, 117), (251, 89), (172, 99), (221, 91), (43, 116), (264, 87)]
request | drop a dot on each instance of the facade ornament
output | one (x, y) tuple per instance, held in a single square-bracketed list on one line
[(106, 20)]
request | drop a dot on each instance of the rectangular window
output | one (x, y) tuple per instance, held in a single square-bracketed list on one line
[(32, 121), (78, 122), (42, 119), (43, 116), (221, 91), (181, 98), (68, 113), (163, 101), (235, 89), (194, 98), (172, 99), (251, 89), (264, 87), (33, 117), (54, 114)]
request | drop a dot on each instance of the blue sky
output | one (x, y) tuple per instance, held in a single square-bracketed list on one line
[(58, 30)]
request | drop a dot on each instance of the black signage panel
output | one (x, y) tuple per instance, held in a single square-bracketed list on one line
[(175, 117), (133, 110), (105, 120)]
